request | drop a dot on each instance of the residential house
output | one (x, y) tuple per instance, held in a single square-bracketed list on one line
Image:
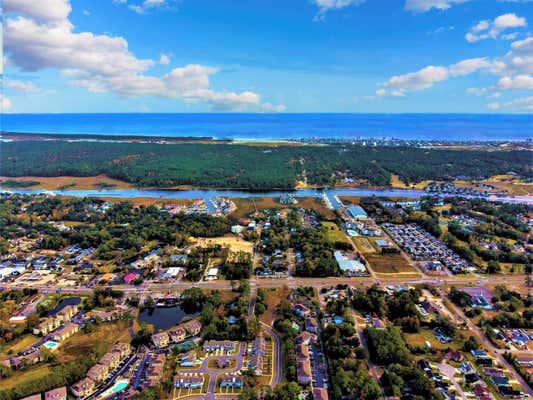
[(122, 349), (218, 345), (320, 394), (160, 340), (193, 327), (177, 334), (311, 325), (231, 381), (46, 326), (258, 353), (83, 388), (98, 372), (65, 332), (301, 310), (111, 360), (187, 381), (67, 313), (56, 394), (303, 364)]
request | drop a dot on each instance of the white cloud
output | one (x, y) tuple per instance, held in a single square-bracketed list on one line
[(164, 59), (103, 63), (425, 78), (441, 29), (518, 61), (520, 82), (326, 5), (22, 86), (524, 104), (5, 103), (41, 10), (492, 29), (146, 5), (421, 6), (86, 13)]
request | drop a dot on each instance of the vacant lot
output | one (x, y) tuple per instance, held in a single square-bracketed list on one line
[(234, 243), (19, 378), (248, 206), (274, 297), (364, 245), (390, 264)]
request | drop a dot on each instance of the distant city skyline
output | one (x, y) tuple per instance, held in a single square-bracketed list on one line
[(349, 56)]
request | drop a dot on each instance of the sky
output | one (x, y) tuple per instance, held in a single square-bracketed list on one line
[(297, 56)]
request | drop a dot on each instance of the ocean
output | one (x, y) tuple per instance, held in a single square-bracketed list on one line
[(456, 127)]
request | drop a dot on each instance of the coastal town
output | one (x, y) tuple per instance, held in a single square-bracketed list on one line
[(332, 297)]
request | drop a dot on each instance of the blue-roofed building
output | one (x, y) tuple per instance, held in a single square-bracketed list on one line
[(349, 266), (357, 212)]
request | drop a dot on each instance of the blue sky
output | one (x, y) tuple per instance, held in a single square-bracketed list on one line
[(386, 56)]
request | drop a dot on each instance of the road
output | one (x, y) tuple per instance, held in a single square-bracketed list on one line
[(157, 288), (494, 352)]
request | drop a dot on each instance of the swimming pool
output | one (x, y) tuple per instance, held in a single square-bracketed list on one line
[(117, 387), (51, 345)]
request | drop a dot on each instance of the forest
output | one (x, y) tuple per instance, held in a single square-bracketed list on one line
[(252, 167)]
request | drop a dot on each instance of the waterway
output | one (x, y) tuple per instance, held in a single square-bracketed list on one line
[(209, 194), (163, 317)]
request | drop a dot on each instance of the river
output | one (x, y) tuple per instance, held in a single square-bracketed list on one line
[(209, 194)]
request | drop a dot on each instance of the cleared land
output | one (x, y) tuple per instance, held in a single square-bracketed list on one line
[(334, 233), (234, 243), (391, 264), (364, 245)]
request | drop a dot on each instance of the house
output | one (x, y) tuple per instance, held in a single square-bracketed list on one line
[(65, 332), (177, 334), (193, 327), (98, 372), (212, 274), (303, 369), (67, 313), (56, 394), (300, 310), (320, 394), (231, 381), (129, 278), (45, 327), (83, 388), (258, 353), (160, 340), (218, 345), (311, 325), (154, 371), (452, 355), (188, 359), (121, 349), (111, 360), (187, 381)]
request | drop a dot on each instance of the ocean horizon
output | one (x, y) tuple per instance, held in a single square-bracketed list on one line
[(249, 126)]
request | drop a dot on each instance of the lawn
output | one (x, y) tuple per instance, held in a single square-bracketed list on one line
[(364, 245)]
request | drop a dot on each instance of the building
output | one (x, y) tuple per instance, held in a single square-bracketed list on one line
[(98, 372), (83, 388), (193, 327), (218, 345), (349, 266), (301, 310), (65, 332), (311, 325), (160, 340), (111, 360), (320, 394), (187, 381), (303, 364), (231, 381), (177, 334), (67, 313), (357, 212), (121, 349), (258, 353), (154, 372), (212, 274), (56, 394), (46, 326)]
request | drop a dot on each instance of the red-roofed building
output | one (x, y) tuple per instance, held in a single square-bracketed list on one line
[(130, 277)]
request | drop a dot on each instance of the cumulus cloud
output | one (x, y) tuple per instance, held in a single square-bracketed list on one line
[(487, 29), (42, 10), (426, 77), (520, 82), (518, 61), (421, 6), (103, 63), (21, 86), (164, 59), (144, 6), (524, 104), (326, 5)]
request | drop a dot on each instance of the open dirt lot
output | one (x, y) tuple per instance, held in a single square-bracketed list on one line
[(234, 243)]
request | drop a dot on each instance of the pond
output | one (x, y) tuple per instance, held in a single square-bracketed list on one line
[(163, 317)]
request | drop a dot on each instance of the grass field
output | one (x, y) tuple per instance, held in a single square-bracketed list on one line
[(21, 377), (71, 182), (20, 344), (419, 340), (99, 341), (334, 233)]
